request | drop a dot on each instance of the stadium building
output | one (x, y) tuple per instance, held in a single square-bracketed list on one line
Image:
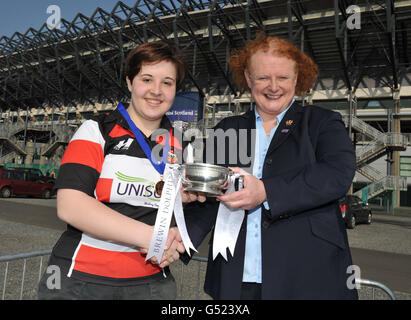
[(54, 78)]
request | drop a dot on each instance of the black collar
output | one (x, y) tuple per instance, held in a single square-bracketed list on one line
[(117, 117)]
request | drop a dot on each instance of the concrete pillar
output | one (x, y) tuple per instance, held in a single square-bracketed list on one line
[(43, 160), (352, 111), (396, 154), (30, 152)]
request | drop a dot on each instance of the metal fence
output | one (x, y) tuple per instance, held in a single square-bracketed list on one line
[(22, 272), (21, 275)]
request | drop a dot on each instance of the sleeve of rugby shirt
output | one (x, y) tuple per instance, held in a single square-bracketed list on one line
[(83, 159)]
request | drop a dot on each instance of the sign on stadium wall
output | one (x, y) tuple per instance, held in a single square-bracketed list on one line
[(188, 106)]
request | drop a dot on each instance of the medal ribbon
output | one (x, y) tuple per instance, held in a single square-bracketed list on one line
[(170, 201), (170, 197), (159, 166)]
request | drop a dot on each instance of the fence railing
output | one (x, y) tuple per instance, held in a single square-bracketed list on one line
[(61, 133), (189, 278), (376, 285), (362, 126), (380, 140), (7, 259), (386, 183), (371, 173)]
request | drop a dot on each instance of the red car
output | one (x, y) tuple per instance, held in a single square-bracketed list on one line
[(16, 181)]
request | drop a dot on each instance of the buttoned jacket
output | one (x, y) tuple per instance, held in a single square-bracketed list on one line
[(309, 165)]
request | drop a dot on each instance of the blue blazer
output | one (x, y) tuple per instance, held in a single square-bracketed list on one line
[(309, 165)]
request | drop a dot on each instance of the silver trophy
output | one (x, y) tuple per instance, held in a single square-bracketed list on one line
[(206, 178)]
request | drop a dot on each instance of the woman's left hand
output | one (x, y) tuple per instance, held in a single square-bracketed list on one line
[(252, 194)]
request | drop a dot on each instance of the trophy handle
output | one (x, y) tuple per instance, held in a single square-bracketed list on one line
[(186, 183), (238, 183)]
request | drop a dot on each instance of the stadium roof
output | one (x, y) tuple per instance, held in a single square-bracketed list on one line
[(83, 61)]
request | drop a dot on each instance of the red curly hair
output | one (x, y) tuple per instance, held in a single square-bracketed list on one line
[(306, 69)]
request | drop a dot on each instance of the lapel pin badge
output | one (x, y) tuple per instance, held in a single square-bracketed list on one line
[(289, 122), (284, 131)]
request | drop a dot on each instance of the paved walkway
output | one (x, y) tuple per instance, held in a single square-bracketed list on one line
[(388, 235)]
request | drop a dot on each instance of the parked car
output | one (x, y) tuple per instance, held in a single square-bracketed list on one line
[(18, 181), (354, 211), (37, 172)]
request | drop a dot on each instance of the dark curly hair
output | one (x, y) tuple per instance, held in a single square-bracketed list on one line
[(306, 69)]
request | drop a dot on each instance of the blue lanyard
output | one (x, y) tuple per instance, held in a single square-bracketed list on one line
[(159, 166)]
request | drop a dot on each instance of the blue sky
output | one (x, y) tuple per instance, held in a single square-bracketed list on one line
[(20, 15)]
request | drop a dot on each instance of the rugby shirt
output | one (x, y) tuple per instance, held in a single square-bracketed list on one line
[(105, 161)]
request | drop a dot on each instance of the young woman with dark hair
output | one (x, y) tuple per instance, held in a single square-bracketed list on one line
[(107, 195)]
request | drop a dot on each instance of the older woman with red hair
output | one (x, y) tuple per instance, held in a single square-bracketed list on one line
[(292, 243), (305, 68)]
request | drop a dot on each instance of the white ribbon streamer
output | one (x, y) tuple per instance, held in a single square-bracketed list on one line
[(228, 225), (170, 201), (190, 154), (179, 215), (164, 215)]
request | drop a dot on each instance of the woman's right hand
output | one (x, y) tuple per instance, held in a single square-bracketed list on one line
[(173, 247)]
